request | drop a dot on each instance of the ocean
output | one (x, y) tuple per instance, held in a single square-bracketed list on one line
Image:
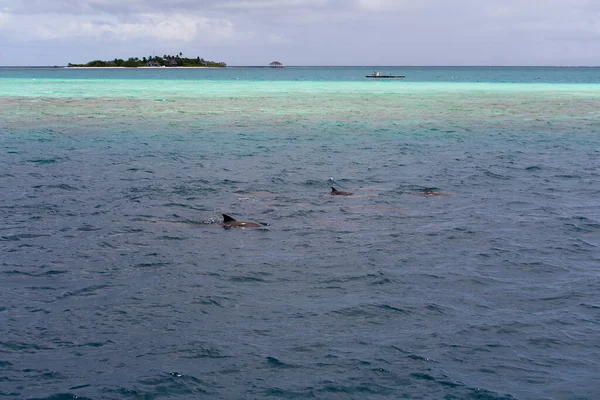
[(117, 281)]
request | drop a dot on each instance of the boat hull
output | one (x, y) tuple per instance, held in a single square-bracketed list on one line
[(385, 76)]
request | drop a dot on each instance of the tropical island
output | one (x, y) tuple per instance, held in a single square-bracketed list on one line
[(154, 61)]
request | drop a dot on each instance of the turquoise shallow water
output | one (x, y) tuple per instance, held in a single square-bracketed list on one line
[(117, 281)]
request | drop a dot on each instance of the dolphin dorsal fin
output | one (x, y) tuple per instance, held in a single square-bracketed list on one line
[(227, 218), (333, 189)]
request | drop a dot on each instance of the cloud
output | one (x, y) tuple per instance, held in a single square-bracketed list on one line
[(153, 6), (331, 31), (176, 26)]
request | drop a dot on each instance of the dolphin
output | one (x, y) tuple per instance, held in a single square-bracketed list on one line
[(335, 192), (229, 222)]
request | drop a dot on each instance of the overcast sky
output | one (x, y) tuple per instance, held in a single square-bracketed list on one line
[(304, 32)]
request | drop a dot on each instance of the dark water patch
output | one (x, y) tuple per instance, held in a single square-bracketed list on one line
[(39, 310), (419, 358), (353, 390), (590, 306), (246, 279), (319, 183), (85, 292), (172, 384), (533, 168), (21, 236), (343, 279), (9, 394), (83, 386), (27, 348), (387, 307), (382, 281), (61, 396), (96, 344), (499, 176), (370, 311), (483, 394), (152, 265), (443, 381), (546, 342), (122, 393), (187, 206), (17, 272), (567, 176), (62, 186), (209, 301), (202, 350), (88, 228), (426, 377), (52, 272), (39, 274), (186, 190), (276, 363), (280, 393), (45, 374), (541, 267), (435, 308), (43, 161), (165, 237), (5, 364)]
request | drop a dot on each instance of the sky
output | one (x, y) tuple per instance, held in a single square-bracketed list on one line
[(304, 32)]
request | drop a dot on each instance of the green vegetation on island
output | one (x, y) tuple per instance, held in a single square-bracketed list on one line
[(154, 61)]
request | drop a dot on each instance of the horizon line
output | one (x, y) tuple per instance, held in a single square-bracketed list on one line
[(348, 66)]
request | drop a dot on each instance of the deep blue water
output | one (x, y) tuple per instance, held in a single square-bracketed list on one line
[(328, 74), (118, 283)]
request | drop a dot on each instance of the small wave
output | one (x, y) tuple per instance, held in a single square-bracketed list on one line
[(151, 265), (87, 228), (279, 393), (20, 236), (96, 344), (87, 291), (244, 279), (61, 396), (200, 350), (166, 237), (208, 301), (360, 390), (24, 347), (590, 306), (369, 311), (567, 176), (171, 384), (62, 186), (435, 308), (42, 160), (497, 176), (274, 362), (41, 274)]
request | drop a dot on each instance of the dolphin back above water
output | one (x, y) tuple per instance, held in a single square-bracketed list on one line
[(335, 192), (229, 222)]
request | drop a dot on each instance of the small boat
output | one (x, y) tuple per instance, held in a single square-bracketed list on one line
[(378, 75)]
